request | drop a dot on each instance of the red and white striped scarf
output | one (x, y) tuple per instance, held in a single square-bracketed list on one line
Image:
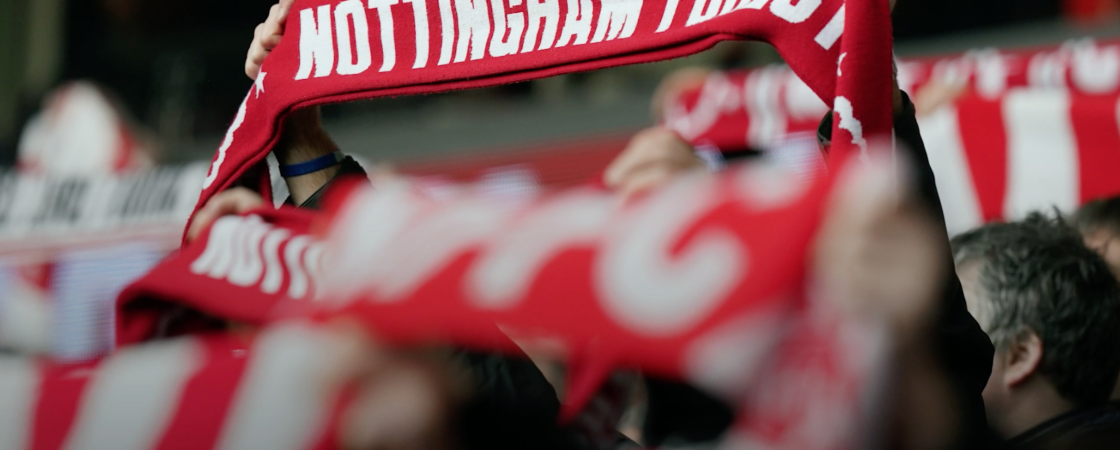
[(221, 392), (1035, 128), (212, 392)]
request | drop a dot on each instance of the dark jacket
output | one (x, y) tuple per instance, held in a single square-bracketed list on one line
[(1084, 428)]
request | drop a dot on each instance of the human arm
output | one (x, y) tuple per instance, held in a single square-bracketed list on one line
[(302, 137), (961, 347)]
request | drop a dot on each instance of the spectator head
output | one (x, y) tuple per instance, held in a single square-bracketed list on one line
[(1052, 308), (1099, 222)]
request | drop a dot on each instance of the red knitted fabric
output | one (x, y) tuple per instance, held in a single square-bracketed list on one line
[(350, 50)]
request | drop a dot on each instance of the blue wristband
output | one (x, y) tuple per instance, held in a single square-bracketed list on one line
[(314, 165)]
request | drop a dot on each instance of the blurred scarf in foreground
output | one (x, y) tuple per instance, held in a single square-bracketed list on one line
[(703, 280)]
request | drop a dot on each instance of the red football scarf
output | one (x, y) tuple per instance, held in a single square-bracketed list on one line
[(1034, 129), (223, 392), (740, 109), (211, 392), (339, 51), (635, 286), (703, 281), (237, 271)]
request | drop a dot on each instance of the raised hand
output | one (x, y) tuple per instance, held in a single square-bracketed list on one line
[(653, 156), (266, 37), (232, 201)]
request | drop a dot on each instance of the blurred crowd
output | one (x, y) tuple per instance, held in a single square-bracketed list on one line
[(1004, 334)]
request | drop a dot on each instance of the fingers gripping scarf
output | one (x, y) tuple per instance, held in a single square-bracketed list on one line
[(340, 51)]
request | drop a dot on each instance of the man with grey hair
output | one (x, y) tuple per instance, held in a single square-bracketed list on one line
[(1051, 307)]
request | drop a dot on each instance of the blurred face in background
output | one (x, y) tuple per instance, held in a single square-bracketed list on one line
[(1107, 243)]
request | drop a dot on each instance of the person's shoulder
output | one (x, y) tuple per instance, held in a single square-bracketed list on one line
[(1102, 420), (1090, 428)]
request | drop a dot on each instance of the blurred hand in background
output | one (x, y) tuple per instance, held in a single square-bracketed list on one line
[(653, 157)]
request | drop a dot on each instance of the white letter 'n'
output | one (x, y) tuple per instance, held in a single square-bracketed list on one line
[(316, 43)]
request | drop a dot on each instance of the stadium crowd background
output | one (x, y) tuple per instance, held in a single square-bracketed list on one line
[(153, 85)]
